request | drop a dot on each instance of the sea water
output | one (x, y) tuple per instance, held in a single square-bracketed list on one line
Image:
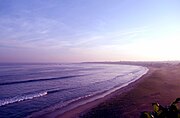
[(29, 88)]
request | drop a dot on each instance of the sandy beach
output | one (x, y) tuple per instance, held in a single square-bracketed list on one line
[(160, 84)]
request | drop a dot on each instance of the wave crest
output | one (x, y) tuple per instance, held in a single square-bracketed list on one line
[(22, 98)]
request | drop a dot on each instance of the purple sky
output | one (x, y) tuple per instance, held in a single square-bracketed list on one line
[(89, 30)]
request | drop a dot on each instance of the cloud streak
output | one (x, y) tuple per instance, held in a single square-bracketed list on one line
[(78, 30)]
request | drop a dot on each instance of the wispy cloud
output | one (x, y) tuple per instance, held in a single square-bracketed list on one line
[(45, 32), (27, 28), (109, 38), (23, 32)]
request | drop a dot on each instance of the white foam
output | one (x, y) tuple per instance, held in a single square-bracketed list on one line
[(22, 98)]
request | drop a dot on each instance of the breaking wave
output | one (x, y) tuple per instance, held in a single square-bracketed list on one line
[(22, 98)]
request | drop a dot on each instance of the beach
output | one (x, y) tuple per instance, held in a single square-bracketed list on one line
[(160, 84)]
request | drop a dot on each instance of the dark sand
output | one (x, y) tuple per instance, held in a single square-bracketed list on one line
[(161, 84)]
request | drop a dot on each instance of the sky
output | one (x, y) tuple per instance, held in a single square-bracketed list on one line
[(89, 30)]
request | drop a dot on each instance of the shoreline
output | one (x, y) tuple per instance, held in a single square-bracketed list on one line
[(80, 106), (132, 99), (160, 85), (80, 110)]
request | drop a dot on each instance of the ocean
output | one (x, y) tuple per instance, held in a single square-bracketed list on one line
[(26, 89)]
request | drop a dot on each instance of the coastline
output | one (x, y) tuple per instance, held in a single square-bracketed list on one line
[(130, 100), (85, 108), (160, 85), (80, 106)]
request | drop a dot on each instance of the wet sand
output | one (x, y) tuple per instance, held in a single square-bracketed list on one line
[(161, 84)]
